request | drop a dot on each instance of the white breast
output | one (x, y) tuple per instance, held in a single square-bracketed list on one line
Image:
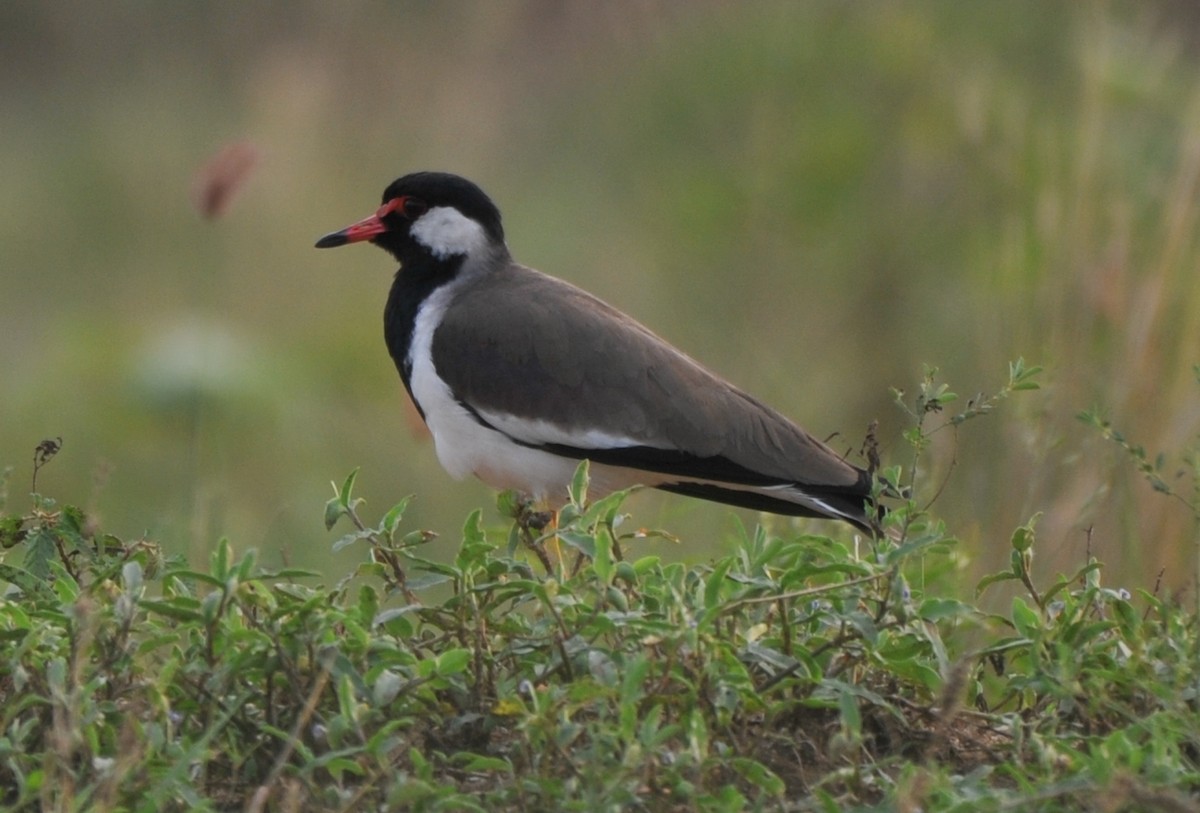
[(465, 446)]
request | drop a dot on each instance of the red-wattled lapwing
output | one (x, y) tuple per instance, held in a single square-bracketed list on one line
[(520, 376)]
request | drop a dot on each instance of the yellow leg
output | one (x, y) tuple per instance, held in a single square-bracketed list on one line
[(539, 529)]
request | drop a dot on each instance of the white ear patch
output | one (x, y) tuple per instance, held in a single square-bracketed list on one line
[(447, 232)]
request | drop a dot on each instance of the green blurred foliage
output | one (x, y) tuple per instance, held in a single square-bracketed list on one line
[(815, 199)]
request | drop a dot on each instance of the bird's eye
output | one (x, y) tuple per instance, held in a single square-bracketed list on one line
[(412, 208), (408, 208)]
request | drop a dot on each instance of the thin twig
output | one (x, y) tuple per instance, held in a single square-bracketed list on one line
[(262, 794)]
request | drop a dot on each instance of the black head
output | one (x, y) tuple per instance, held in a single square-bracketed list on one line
[(429, 214)]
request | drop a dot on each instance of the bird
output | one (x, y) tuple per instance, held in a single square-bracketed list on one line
[(519, 376)]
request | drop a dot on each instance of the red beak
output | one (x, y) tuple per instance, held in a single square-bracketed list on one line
[(362, 230)]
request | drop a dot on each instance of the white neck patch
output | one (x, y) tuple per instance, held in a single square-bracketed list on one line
[(447, 232)]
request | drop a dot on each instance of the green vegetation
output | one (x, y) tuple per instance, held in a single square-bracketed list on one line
[(813, 198), (798, 673)]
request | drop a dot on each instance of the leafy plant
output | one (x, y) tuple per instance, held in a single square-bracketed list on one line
[(798, 672)]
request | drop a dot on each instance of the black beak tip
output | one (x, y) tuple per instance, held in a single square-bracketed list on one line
[(332, 240)]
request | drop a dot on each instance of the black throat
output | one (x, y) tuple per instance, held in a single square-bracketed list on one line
[(417, 278)]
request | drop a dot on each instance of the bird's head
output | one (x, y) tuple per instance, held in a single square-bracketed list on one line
[(430, 215)]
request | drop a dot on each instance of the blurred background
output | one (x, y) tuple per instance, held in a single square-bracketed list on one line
[(815, 199)]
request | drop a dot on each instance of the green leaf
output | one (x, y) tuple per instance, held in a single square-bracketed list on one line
[(210, 605), (473, 535), (1128, 618), (582, 542), (605, 509), (63, 583), (387, 687), (392, 518), (333, 512), (350, 538), (1023, 537), (424, 581), (28, 583), (342, 503), (175, 609), (219, 561), (339, 763), (937, 609), (633, 680), (245, 569), (40, 550), (602, 558), (769, 658), (759, 775), (196, 575), (917, 673), (344, 494), (368, 603), (602, 668), (1021, 377), (715, 582), (479, 763), (1026, 619), (452, 661), (579, 484), (510, 503), (388, 615)]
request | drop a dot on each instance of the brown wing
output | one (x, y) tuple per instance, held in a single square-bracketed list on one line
[(679, 418)]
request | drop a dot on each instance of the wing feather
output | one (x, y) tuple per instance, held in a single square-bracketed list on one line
[(653, 407), (523, 361)]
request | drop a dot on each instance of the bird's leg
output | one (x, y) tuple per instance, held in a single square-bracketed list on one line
[(548, 540), (533, 525)]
